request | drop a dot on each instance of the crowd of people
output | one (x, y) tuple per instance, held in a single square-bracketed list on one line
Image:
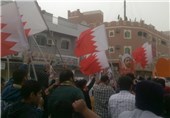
[(66, 97)]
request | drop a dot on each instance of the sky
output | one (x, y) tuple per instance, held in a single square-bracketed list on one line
[(155, 12)]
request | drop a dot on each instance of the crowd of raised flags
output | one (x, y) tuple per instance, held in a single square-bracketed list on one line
[(20, 19)]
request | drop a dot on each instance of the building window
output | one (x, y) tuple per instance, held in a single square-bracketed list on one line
[(127, 49), (65, 44), (111, 49), (139, 33), (41, 39), (127, 34), (111, 33)]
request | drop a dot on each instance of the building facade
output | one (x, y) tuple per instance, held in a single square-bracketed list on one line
[(125, 36), (55, 46)]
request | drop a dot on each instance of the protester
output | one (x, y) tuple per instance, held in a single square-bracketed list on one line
[(102, 92), (124, 100), (11, 93), (22, 67), (31, 104), (166, 106), (126, 65), (149, 101), (82, 84), (81, 107), (132, 76), (162, 82), (61, 99)]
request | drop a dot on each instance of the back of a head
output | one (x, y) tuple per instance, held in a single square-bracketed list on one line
[(131, 75), (149, 96), (81, 83), (23, 67), (125, 83), (30, 86), (160, 81), (19, 76), (66, 75), (104, 78)]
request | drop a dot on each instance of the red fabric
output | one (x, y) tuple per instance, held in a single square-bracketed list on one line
[(139, 56), (13, 38), (85, 44), (90, 65), (6, 45), (124, 70)]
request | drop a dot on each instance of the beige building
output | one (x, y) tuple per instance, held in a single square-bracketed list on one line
[(125, 36)]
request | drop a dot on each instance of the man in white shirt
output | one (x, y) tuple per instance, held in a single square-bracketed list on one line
[(149, 101), (124, 100)]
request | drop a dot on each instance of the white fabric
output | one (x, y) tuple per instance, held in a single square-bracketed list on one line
[(32, 16), (100, 38), (148, 52), (137, 113), (122, 101), (11, 17)]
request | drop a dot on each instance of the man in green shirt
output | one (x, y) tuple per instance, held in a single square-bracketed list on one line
[(61, 99)]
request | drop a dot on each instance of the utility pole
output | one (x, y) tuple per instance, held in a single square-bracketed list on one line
[(125, 18)]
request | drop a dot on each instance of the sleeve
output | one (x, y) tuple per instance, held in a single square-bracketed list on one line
[(91, 84)]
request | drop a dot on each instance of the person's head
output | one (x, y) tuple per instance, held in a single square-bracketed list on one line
[(104, 79), (23, 67), (131, 75), (81, 84), (66, 75), (160, 81), (31, 91), (125, 83), (149, 96), (127, 60), (46, 68), (19, 76)]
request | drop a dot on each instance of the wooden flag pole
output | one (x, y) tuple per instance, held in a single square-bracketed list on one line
[(57, 50)]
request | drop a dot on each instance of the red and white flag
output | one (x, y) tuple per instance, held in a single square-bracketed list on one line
[(31, 17), (143, 55), (13, 38), (91, 40), (93, 63)]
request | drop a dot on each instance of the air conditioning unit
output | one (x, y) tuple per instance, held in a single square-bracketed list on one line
[(50, 42)]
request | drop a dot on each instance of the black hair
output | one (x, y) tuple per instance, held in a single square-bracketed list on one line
[(81, 83), (125, 83), (66, 75), (28, 87), (160, 81), (131, 75), (149, 96), (2, 80), (104, 78), (19, 76)]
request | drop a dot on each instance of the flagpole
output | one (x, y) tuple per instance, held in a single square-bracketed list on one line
[(39, 49), (33, 68), (49, 32), (8, 71), (57, 49)]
